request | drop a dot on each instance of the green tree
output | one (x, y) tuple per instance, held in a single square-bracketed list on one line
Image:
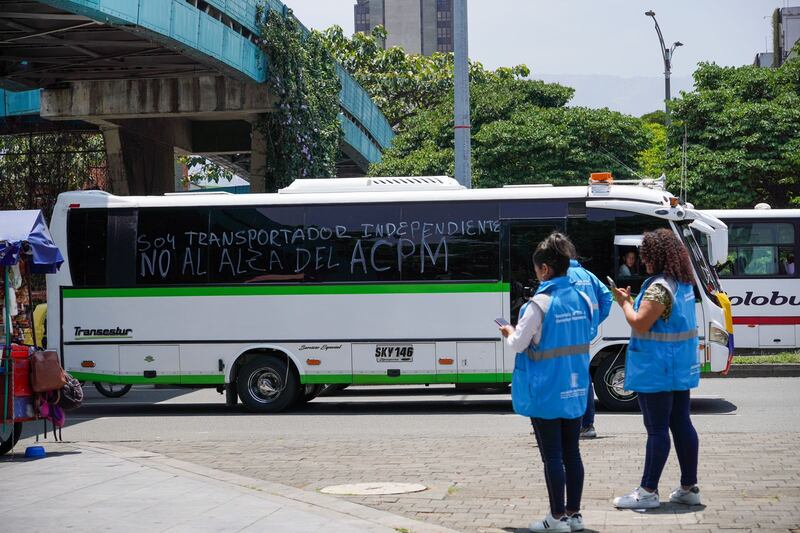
[(655, 117), (303, 134), (522, 131), (652, 160), (559, 145), (742, 127), (401, 84), (36, 167)]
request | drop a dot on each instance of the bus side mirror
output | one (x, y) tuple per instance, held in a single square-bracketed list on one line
[(717, 242)]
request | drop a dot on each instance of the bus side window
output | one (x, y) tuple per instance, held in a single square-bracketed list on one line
[(759, 249)]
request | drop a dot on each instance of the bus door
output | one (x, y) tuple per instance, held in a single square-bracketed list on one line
[(523, 237)]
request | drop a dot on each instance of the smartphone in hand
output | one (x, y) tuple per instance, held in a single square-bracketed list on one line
[(501, 322), (611, 282)]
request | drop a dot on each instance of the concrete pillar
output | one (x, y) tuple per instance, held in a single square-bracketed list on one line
[(117, 178), (149, 165), (258, 162)]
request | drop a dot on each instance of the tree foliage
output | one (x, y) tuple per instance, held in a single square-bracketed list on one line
[(522, 131), (303, 133), (401, 84), (659, 116), (558, 145), (652, 160), (742, 127), (36, 167)]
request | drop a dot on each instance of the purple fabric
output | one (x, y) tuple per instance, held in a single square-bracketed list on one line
[(18, 228)]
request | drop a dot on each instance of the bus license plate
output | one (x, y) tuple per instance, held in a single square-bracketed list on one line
[(393, 354)]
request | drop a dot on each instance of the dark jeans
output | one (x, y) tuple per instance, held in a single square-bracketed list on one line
[(664, 412), (588, 416), (558, 443)]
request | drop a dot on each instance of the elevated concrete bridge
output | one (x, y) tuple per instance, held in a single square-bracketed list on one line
[(158, 77)]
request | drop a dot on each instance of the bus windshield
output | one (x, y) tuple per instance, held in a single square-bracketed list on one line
[(705, 272)]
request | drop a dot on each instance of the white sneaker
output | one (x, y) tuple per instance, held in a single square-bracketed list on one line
[(686, 497), (551, 524), (638, 499), (576, 522)]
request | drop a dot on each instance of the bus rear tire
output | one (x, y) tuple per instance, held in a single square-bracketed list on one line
[(608, 385), (267, 385), (112, 390), (308, 393)]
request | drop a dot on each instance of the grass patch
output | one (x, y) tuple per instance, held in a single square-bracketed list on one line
[(772, 359)]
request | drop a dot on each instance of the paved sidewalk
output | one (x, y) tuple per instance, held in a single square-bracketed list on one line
[(102, 487), (496, 484)]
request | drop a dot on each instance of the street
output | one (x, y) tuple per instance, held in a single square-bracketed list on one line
[(476, 457)]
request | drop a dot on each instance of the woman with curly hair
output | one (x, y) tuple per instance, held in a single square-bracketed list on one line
[(662, 365)]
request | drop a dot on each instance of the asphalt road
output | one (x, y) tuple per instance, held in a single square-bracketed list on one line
[(748, 405)]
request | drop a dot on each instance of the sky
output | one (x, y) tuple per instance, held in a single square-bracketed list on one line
[(607, 50)]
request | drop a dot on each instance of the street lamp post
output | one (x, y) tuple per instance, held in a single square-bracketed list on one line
[(666, 53)]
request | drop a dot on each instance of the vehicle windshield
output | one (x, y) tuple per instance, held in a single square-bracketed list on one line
[(707, 275)]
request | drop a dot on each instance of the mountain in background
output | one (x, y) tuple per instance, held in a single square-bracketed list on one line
[(633, 96)]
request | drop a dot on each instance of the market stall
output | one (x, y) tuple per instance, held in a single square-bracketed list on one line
[(26, 248)]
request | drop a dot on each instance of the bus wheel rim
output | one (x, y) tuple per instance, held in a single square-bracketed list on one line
[(265, 385), (616, 382)]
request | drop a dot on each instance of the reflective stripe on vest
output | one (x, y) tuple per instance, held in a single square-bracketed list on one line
[(562, 351), (664, 337)]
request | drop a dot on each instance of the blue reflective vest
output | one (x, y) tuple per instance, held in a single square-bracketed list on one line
[(666, 358), (598, 293), (551, 380)]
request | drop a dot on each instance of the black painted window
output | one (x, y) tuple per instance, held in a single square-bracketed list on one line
[(87, 236), (171, 246), (257, 245)]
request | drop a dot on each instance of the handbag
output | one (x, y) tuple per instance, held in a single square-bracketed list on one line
[(46, 372), (71, 394)]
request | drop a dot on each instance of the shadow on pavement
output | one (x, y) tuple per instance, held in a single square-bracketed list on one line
[(18, 455), (671, 508), (513, 529), (144, 401), (332, 407)]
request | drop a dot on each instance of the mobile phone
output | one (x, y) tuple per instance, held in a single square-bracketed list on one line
[(611, 282), (501, 322)]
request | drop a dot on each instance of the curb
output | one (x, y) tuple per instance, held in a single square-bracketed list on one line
[(312, 499), (759, 371)]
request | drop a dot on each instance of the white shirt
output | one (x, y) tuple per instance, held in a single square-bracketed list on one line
[(529, 327)]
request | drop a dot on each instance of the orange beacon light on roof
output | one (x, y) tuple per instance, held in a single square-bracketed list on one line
[(601, 177)]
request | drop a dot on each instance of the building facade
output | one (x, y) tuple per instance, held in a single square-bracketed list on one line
[(418, 26), (786, 32)]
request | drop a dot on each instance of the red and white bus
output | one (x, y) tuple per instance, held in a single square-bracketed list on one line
[(761, 277)]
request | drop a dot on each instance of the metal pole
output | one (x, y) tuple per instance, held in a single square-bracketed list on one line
[(463, 139), (667, 69)]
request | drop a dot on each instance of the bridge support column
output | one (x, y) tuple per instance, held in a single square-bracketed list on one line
[(258, 162), (117, 177), (149, 164)]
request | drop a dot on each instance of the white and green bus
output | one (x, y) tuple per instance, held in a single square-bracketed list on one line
[(348, 281)]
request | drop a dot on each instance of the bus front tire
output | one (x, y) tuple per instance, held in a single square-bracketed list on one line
[(9, 439), (267, 385), (608, 380)]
